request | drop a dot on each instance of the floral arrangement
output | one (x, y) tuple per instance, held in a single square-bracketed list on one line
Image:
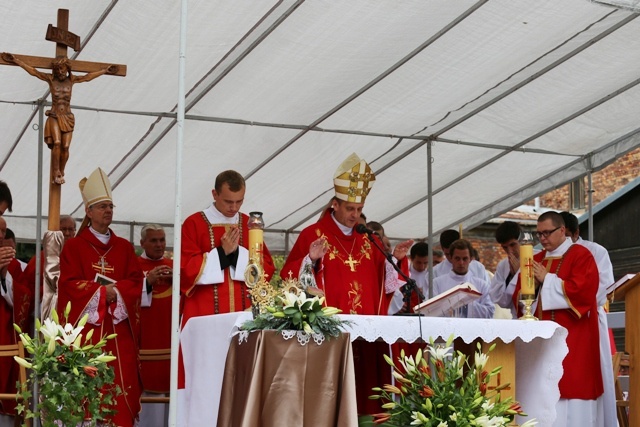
[(444, 391), (74, 380), (292, 311)]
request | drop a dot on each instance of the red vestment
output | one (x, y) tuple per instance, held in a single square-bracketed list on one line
[(351, 273), (80, 260), (156, 328), (198, 239), (352, 276), (18, 314), (578, 272)]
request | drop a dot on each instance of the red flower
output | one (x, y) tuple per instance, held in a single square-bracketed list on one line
[(426, 392), (61, 359), (425, 369), (92, 371), (381, 418), (515, 406), (483, 388)]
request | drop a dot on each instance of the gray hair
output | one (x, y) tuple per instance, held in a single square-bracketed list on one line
[(156, 227)]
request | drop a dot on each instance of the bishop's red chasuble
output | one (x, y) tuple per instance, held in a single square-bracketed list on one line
[(81, 258), (578, 273), (352, 276), (156, 328)]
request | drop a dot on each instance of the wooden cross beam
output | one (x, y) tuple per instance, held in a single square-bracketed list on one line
[(61, 121)]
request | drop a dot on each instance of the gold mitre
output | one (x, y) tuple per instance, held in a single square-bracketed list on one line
[(353, 180), (96, 188)]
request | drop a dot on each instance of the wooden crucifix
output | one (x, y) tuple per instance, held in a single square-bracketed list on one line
[(60, 120)]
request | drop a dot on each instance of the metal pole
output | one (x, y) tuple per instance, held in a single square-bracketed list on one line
[(37, 314), (430, 216), (175, 296), (590, 207)]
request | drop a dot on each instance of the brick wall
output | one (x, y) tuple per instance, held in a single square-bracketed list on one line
[(605, 182)]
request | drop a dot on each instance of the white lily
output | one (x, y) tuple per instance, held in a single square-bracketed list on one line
[(530, 423), (22, 362), (68, 334), (419, 419), (289, 299), (439, 352), (103, 358), (49, 329), (481, 360)]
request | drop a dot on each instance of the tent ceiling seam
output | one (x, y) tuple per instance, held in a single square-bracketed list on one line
[(533, 77)]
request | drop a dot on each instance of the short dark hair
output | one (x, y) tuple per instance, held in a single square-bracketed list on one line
[(363, 216), (233, 179), (570, 221), (506, 231), (555, 217), (420, 249), (5, 195), (448, 237), (10, 235), (377, 227), (460, 244)]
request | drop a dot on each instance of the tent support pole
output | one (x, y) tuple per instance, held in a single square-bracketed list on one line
[(430, 215), (590, 207), (177, 227)]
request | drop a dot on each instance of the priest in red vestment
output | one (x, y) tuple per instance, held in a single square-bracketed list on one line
[(101, 277), (354, 275), (566, 278), (214, 255)]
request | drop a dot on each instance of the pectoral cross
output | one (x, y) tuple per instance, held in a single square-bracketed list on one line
[(61, 98), (103, 265), (351, 263)]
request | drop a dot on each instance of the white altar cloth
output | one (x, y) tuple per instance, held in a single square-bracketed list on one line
[(540, 349)]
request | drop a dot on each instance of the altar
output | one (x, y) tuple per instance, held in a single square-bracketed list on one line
[(540, 349)]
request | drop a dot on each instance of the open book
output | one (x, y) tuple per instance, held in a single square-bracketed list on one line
[(616, 291), (446, 303)]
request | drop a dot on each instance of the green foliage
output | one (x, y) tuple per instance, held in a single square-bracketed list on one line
[(443, 390), (74, 379), (297, 312)]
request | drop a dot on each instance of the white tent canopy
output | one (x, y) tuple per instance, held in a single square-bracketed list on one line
[(514, 98)]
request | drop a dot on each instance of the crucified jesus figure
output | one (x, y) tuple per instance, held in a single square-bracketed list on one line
[(58, 128)]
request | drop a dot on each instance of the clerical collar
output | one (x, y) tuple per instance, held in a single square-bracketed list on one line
[(457, 276), (560, 250), (216, 217), (104, 238), (145, 256), (347, 231)]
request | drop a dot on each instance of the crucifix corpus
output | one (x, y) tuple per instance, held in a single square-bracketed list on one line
[(60, 120)]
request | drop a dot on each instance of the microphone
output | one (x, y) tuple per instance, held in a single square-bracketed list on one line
[(362, 229)]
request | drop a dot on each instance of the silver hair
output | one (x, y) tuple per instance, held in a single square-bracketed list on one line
[(156, 227)]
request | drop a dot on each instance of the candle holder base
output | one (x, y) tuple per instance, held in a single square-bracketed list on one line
[(528, 315)]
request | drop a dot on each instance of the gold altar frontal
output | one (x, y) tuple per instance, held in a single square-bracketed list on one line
[(270, 381)]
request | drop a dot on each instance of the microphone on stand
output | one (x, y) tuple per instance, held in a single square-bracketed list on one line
[(410, 285), (362, 229)]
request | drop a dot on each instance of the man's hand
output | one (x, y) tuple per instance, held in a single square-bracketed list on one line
[(231, 239), (112, 296), (6, 255), (318, 249), (539, 272), (514, 263), (158, 273), (401, 249)]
